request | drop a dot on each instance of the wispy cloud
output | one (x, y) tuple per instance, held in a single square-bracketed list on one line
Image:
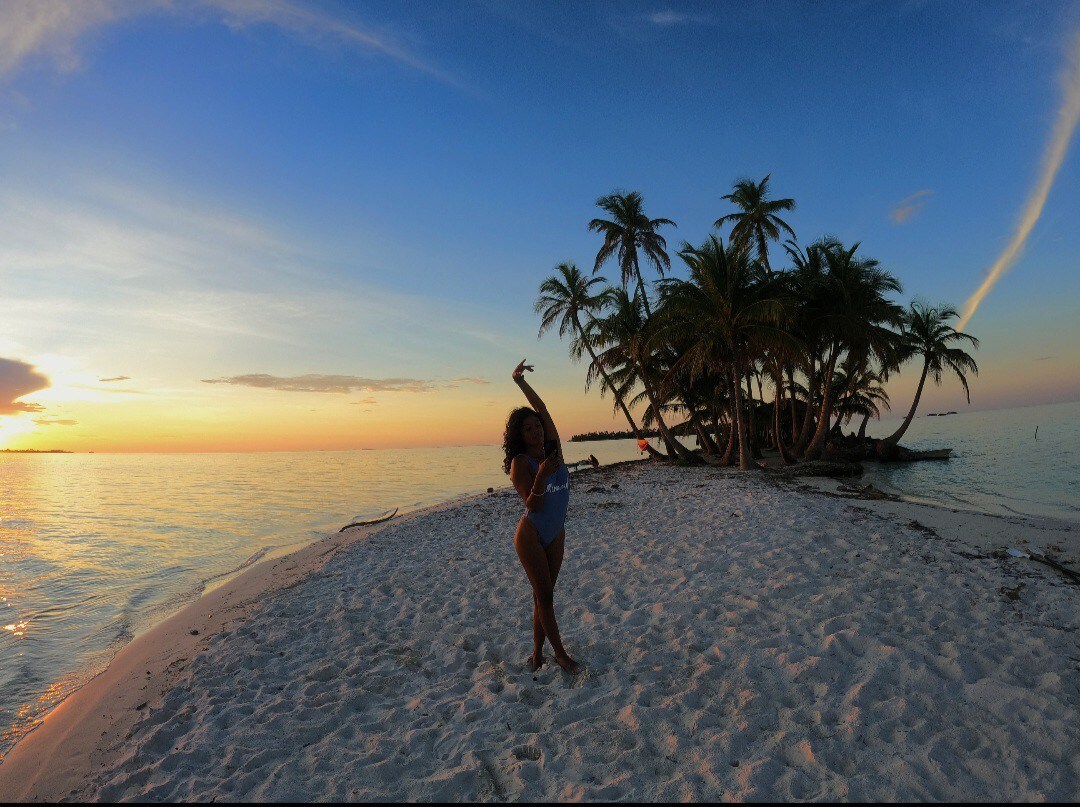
[(469, 381), (17, 379), (55, 422), (54, 29), (117, 378), (1068, 115), (908, 208), (668, 17), (324, 383), (110, 389)]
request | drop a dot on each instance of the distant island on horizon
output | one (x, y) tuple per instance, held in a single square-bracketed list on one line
[(34, 451)]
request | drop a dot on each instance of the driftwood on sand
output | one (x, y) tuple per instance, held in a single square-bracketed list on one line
[(389, 514), (818, 468)]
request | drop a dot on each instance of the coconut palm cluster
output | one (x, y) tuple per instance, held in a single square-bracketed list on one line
[(744, 355)]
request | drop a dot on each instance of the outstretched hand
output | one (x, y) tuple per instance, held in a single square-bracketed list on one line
[(519, 371)]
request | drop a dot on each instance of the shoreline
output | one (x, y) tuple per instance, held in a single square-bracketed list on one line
[(53, 758), (91, 731)]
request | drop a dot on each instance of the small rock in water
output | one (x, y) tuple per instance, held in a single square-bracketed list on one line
[(491, 490)]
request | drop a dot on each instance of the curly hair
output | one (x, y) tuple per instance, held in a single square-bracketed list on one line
[(513, 442)]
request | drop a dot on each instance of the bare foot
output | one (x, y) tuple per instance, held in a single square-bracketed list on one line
[(536, 661), (568, 664)]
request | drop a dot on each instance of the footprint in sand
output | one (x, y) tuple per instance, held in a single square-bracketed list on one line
[(529, 752)]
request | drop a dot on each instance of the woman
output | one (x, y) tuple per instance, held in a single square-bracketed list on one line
[(533, 458)]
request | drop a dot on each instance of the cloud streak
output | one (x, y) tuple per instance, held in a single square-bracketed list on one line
[(324, 383), (906, 209), (1068, 115), (669, 17), (17, 379), (54, 28)]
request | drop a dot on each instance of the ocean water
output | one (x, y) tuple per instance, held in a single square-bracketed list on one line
[(998, 465), (96, 548)]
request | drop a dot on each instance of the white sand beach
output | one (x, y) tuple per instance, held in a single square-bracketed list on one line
[(743, 639)]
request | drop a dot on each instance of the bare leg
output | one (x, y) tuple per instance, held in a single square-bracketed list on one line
[(539, 565), (536, 660)]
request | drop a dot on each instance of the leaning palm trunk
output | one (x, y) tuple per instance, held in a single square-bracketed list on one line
[(808, 415), (751, 419), (794, 418), (784, 455), (744, 448), (862, 427), (813, 451), (728, 457), (674, 446), (618, 398), (707, 443), (894, 438), (641, 287)]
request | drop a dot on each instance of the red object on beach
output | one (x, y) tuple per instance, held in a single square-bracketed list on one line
[(643, 445)]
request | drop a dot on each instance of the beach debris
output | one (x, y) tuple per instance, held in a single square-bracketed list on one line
[(141, 706), (929, 532), (491, 490), (193, 632), (389, 514), (1011, 594), (867, 492), (1036, 555)]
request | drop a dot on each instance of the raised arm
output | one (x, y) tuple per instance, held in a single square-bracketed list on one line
[(550, 432)]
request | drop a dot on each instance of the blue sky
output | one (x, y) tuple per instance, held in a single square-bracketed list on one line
[(208, 189)]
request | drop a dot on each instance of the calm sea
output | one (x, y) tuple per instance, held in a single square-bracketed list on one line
[(998, 464), (96, 548)]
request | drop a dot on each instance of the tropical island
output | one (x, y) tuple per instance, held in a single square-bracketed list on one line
[(749, 355)]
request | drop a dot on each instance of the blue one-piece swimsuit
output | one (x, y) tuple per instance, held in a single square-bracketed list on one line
[(550, 518)]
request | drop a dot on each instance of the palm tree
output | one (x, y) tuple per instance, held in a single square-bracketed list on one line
[(628, 231), (857, 320), (563, 300), (928, 334), (722, 313), (625, 336), (860, 393), (756, 221), (807, 322)]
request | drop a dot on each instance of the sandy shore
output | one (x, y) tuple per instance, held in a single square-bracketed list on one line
[(743, 640)]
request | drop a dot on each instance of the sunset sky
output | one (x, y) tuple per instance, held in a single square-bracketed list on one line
[(274, 225)]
